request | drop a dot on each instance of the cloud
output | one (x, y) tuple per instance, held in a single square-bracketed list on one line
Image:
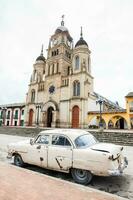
[(107, 28)]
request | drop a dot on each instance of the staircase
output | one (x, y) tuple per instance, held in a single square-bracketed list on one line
[(121, 137), (116, 137)]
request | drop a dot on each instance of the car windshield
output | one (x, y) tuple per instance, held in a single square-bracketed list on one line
[(84, 141)]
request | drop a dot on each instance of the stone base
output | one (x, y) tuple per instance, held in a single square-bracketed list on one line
[(101, 129)]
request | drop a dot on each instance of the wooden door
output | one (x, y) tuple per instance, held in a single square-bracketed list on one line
[(75, 117), (49, 116), (30, 117)]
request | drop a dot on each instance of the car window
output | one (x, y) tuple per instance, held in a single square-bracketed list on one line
[(60, 140), (85, 141), (43, 139)]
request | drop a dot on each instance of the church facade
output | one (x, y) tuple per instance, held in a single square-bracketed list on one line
[(60, 92)]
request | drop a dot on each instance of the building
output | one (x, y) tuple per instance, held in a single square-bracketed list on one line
[(12, 114), (113, 118), (61, 92), (61, 86)]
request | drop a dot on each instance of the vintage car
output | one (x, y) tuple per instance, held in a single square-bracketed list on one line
[(70, 150)]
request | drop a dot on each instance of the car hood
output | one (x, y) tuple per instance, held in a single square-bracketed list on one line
[(20, 143), (113, 149)]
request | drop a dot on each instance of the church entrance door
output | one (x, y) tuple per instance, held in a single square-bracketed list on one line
[(75, 117), (30, 117), (49, 116)]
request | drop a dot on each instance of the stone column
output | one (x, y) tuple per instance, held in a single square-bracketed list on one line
[(12, 116), (19, 118), (129, 125), (44, 119)]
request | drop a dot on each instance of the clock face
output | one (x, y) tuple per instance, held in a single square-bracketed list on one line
[(51, 89)]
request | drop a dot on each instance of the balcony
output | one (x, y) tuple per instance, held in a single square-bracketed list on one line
[(8, 117), (15, 117)]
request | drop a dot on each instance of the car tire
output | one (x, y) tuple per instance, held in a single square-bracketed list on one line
[(18, 160), (81, 176)]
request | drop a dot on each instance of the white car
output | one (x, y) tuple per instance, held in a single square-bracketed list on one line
[(70, 150)]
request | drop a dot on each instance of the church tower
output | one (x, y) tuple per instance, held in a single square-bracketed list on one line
[(58, 67), (59, 51), (81, 83), (81, 63), (60, 84), (36, 90)]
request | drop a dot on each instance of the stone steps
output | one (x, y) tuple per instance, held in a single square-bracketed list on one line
[(114, 137), (117, 137)]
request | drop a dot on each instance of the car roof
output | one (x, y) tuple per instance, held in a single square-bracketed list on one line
[(71, 133)]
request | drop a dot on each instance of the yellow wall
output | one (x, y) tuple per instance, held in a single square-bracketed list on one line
[(115, 116)]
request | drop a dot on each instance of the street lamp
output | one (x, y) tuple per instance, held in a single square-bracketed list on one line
[(38, 107), (100, 102)]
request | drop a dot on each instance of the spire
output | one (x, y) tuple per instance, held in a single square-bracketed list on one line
[(41, 57), (81, 33), (62, 22), (81, 40), (41, 51)]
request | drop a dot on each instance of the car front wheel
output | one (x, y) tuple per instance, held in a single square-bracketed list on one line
[(81, 176), (18, 160)]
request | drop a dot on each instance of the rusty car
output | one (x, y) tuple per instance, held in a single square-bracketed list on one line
[(70, 150)]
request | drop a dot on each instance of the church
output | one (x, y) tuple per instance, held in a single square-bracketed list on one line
[(61, 89), (61, 92)]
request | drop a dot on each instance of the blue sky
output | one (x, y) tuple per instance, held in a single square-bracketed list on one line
[(107, 28)]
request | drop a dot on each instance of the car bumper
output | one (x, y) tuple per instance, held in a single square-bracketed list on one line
[(119, 171), (9, 156)]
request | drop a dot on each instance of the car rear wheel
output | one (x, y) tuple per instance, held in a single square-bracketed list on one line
[(81, 176), (18, 160)]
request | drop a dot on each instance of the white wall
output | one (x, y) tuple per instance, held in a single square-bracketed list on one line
[(64, 111), (92, 106)]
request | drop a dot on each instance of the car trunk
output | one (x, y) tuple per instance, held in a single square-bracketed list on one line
[(112, 149)]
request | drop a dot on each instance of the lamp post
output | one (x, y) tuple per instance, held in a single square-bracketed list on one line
[(100, 102), (38, 107)]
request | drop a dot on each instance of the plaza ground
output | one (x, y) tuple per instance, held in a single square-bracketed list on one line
[(20, 184)]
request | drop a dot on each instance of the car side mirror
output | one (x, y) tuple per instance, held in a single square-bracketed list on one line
[(31, 141)]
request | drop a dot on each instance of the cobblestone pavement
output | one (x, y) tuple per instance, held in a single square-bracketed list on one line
[(121, 186)]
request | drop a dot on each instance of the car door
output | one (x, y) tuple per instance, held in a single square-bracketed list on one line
[(60, 153), (38, 151)]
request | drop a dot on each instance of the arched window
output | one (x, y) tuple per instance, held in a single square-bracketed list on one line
[(76, 88), (53, 69), (57, 68), (57, 51), (48, 70), (33, 96), (77, 62), (68, 70), (35, 75), (88, 64)]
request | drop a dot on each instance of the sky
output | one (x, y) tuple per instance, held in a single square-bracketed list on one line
[(107, 28)]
